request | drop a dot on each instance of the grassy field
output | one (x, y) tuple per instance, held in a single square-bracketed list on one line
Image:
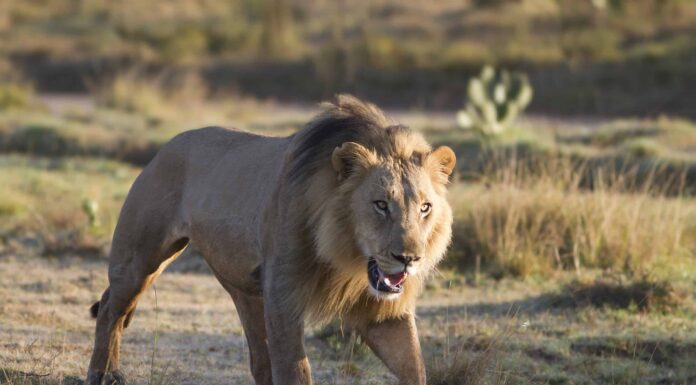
[(572, 261)]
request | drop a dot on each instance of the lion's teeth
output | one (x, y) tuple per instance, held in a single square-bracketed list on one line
[(386, 280)]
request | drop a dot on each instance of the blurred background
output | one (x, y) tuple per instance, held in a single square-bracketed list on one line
[(584, 57), (573, 121)]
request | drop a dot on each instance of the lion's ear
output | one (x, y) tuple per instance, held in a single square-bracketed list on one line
[(349, 157), (442, 161)]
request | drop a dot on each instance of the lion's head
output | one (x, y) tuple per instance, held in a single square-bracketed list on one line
[(376, 196), (399, 216)]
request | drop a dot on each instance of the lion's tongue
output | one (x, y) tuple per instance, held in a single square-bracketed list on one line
[(395, 279)]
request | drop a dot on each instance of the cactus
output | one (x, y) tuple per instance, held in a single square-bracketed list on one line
[(495, 100)]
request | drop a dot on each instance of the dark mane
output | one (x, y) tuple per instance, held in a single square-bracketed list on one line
[(347, 119)]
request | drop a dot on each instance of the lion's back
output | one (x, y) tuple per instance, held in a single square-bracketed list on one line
[(226, 167), (210, 142)]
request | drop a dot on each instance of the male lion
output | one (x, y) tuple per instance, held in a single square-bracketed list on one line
[(343, 219)]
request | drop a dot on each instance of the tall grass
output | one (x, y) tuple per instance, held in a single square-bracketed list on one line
[(534, 216)]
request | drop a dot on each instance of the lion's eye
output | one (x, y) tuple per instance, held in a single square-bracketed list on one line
[(381, 206), (425, 209)]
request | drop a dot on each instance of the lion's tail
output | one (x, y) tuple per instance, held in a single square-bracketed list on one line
[(94, 310)]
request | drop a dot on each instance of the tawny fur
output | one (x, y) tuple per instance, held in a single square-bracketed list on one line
[(276, 220)]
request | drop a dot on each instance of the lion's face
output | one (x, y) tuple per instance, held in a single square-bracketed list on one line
[(401, 218)]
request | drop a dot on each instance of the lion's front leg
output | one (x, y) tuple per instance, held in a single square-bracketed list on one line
[(395, 342), (289, 363)]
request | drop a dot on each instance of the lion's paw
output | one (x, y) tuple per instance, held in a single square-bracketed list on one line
[(109, 378)]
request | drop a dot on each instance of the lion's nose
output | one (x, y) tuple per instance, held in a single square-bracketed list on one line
[(406, 259)]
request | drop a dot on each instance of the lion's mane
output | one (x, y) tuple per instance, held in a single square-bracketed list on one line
[(330, 278)]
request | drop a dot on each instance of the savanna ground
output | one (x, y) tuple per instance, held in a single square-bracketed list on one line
[(575, 232), (558, 273)]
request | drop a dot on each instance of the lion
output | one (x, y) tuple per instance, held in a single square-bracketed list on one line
[(343, 219)]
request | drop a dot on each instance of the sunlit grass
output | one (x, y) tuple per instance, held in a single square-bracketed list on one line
[(532, 218)]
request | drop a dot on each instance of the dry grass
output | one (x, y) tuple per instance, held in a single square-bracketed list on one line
[(470, 365), (570, 48), (186, 32), (533, 217)]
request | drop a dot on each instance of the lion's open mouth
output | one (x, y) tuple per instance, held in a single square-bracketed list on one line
[(387, 283)]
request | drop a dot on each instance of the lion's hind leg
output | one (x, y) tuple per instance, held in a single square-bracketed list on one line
[(131, 271), (250, 310)]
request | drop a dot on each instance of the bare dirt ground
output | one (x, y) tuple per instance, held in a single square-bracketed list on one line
[(186, 331)]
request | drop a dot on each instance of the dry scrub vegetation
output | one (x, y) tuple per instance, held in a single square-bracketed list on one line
[(306, 50), (522, 217), (532, 216)]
